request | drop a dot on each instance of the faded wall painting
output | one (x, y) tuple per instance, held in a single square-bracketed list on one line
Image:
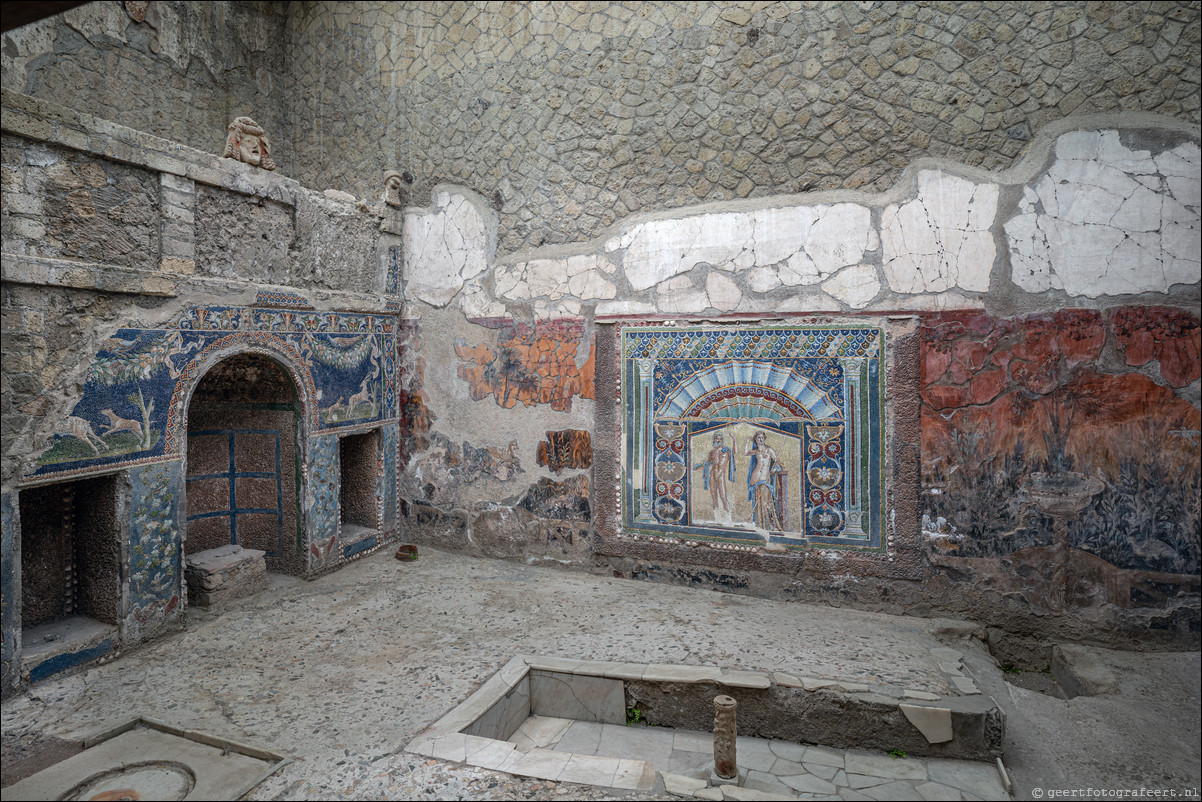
[(132, 406), (1010, 404), (763, 436), (530, 364)]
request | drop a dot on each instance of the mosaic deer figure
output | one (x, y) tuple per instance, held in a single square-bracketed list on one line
[(80, 429), (119, 424), (361, 397)]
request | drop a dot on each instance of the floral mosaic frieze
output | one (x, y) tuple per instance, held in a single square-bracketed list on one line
[(133, 402)]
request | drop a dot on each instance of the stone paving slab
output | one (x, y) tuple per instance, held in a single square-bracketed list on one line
[(347, 669)]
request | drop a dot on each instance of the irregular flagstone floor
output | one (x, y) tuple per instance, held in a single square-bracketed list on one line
[(340, 673)]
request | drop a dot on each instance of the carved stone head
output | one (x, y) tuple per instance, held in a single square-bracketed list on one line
[(246, 142), (393, 182)]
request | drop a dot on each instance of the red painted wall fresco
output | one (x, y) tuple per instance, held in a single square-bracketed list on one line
[(1085, 392)]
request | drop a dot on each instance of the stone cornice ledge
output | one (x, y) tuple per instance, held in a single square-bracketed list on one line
[(44, 121), (43, 272), (40, 271)]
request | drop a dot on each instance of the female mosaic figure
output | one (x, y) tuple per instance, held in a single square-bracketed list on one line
[(761, 475)]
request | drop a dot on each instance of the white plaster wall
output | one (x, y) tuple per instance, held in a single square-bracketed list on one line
[(1089, 218), (1106, 220)]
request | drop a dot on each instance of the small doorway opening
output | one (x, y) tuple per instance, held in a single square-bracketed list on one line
[(358, 456)]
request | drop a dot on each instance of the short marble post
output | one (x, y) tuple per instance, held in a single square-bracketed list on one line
[(725, 730)]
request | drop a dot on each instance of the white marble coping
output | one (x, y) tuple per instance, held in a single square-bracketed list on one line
[(446, 741), (736, 678), (545, 764)]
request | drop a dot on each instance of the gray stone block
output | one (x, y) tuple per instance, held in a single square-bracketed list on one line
[(218, 576), (1080, 672)]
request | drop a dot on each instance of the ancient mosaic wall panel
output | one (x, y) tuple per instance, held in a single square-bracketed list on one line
[(10, 572), (155, 554), (321, 502), (757, 436), (133, 402), (389, 449)]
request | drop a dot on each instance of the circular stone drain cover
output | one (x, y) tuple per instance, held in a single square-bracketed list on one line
[(151, 780)]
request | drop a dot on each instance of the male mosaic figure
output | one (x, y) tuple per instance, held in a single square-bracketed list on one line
[(721, 460), (761, 491)]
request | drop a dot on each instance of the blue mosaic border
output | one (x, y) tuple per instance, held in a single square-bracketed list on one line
[(63, 662)]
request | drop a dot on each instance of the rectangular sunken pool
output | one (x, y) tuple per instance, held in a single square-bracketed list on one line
[(772, 705)]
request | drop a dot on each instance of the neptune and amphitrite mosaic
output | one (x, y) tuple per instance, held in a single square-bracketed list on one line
[(762, 436)]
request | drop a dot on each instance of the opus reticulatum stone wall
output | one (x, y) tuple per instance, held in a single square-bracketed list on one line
[(908, 278), (568, 117)]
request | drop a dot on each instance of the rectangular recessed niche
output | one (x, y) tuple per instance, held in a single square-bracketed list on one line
[(358, 504), (773, 706), (70, 552)]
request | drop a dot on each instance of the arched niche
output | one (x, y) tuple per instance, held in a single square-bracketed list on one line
[(246, 430)]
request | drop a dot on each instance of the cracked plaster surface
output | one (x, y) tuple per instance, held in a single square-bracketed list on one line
[(1107, 220), (1103, 219), (854, 286), (476, 302), (582, 276), (942, 238), (445, 246), (781, 246)]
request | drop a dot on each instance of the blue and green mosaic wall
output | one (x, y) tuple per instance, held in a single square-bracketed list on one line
[(768, 436), (133, 403)]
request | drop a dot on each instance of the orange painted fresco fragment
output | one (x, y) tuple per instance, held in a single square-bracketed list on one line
[(529, 365)]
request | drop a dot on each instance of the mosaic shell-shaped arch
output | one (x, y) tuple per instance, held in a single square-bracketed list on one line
[(748, 390), (266, 344)]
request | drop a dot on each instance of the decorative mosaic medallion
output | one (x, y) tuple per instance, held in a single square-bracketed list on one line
[(761, 436)]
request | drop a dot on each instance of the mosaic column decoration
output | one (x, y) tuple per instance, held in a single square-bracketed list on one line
[(855, 378), (322, 514), (644, 492), (725, 732)]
